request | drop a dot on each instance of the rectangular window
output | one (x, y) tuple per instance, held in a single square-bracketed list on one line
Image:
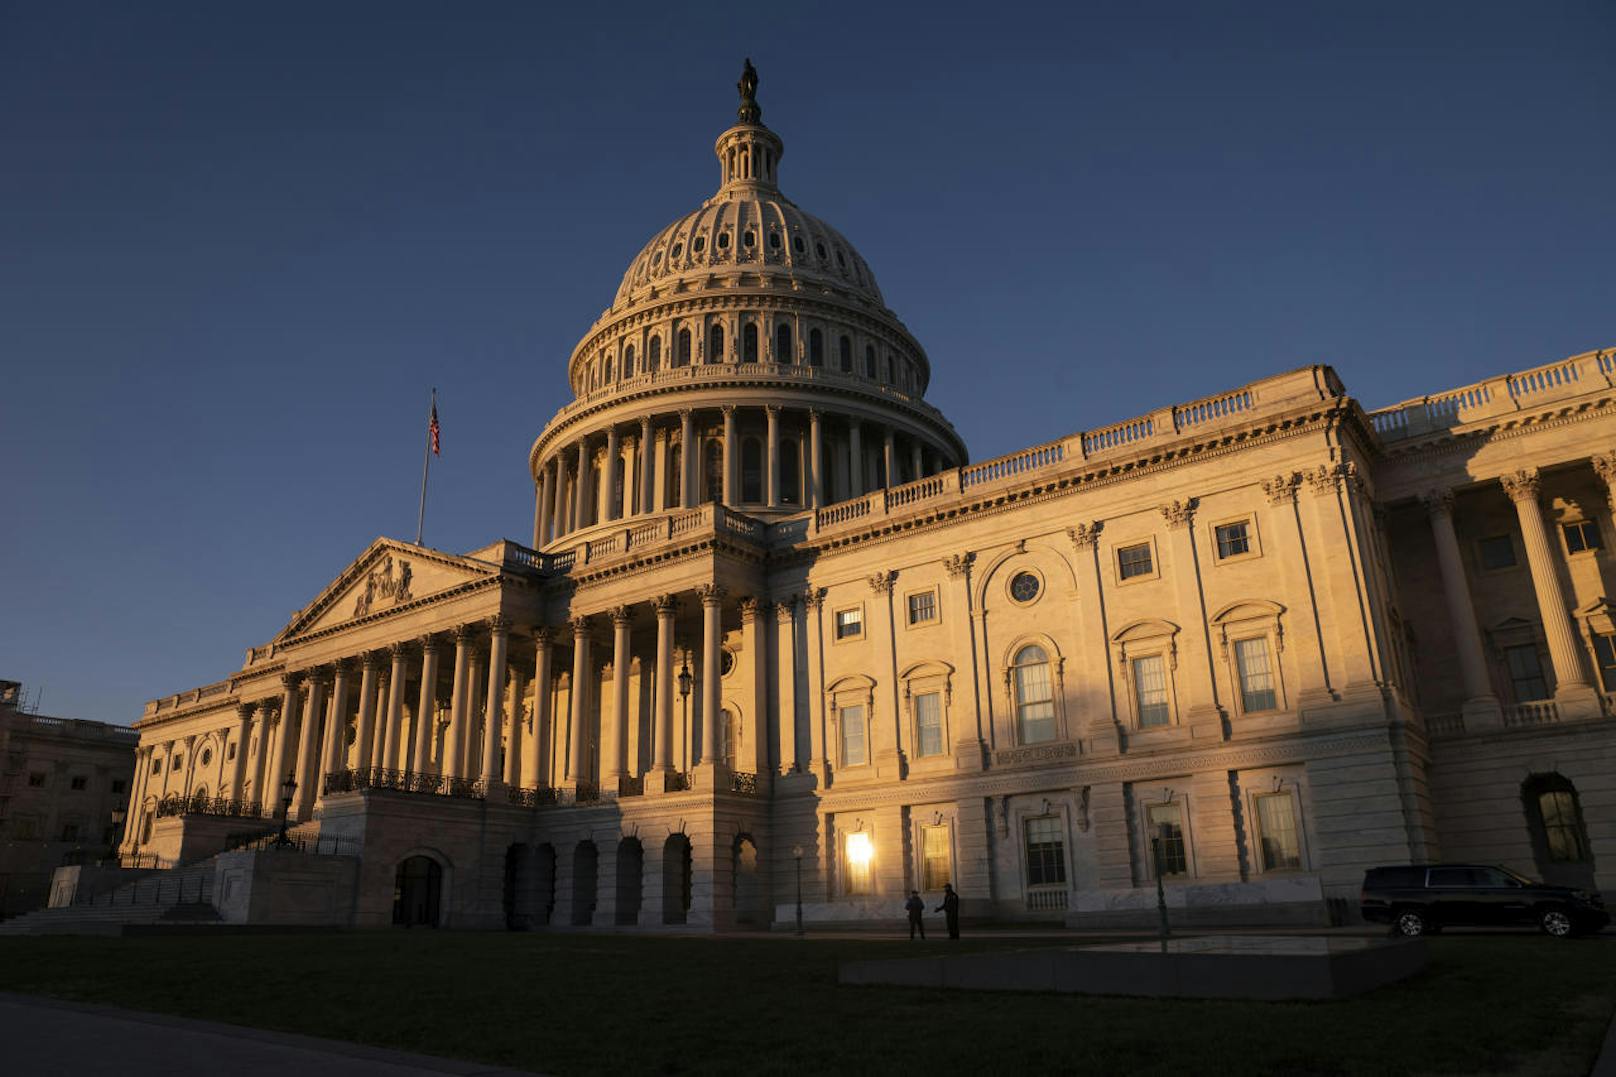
[(1526, 673), (1046, 852), (849, 624), (860, 850), (1167, 835), (1233, 539), (929, 723), (935, 866), (922, 607), (1496, 551), (1134, 561), (36, 779), (1581, 535), (1150, 690), (852, 723), (1605, 653), (1256, 675), (79, 783), (1276, 824), (1560, 827)]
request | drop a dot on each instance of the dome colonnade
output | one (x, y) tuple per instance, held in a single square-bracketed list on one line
[(748, 359)]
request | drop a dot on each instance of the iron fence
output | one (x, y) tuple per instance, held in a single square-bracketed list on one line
[(174, 805)]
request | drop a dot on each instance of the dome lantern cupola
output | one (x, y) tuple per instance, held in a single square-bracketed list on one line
[(749, 153)]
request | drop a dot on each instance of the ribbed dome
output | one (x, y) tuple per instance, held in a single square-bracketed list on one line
[(751, 226)]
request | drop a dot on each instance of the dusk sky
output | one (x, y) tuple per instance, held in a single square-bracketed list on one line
[(240, 243)]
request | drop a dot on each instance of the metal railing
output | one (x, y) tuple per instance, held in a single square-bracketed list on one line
[(631, 786), (402, 781), (743, 783), (171, 806)]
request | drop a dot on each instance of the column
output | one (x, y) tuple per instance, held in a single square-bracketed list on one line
[(580, 696), (261, 762), (470, 746), (558, 507), (732, 491), (336, 733), (666, 606), (366, 730), (889, 457), (915, 469), (1571, 685), (541, 502), (755, 618), (137, 788), (785, 689), (452, 756), (426, 709), (1197, 690), (498, 636), (712, 597), (773, 461), (282, 769), (537, 749), (687, 460), (631, 474), (813, 603), (238, 775), (190, 763), (394, 729), (1314, 672), (617, 765), (579, 483), (647, 467), (664, 474), (608, 475), (816, 487), (308, 749), (855, 460), (1480, 703), (514, 741)]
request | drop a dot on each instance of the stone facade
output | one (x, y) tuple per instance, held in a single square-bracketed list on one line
[(771, 624)]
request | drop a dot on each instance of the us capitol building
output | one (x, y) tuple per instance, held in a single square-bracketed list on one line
[(772, 620)]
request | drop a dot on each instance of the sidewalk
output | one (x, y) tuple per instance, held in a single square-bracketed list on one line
[(46, 1038)]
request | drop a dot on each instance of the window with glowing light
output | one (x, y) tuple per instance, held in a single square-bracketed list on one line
[(860, 850)]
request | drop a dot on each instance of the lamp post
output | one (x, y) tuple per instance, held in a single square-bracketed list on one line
[(685, 680), (1161, 893), (796, 851), (118, 817), (288, 790)]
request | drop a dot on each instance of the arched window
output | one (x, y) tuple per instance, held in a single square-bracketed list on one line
[(751, 470), (1035, 698), (715, 345), (790, 473), (628, 361), (782, 343), (653, 355), (606, 377), (847, 355), (749, 343), (816, 348), (869, 361), (1559, 836), (713, 472), (682, 356), (673, 482)]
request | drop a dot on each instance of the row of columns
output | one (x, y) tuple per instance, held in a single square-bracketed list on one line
[(565, 501)]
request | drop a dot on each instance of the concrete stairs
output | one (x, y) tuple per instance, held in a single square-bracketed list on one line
[(177, 896)]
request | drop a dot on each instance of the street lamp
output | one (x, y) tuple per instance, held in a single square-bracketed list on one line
[(796, 851), (1156, 841), (685, 680), (118, 817), (288, 790)]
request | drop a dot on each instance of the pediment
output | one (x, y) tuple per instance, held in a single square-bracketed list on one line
[(387, 576)]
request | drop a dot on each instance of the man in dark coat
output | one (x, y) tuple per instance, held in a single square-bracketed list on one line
[(950, 910), (916, 909)]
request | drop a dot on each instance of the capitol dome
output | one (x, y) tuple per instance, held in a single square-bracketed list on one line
[(748, 359)]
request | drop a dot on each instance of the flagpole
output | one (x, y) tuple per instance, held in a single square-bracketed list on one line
[(426, 467)]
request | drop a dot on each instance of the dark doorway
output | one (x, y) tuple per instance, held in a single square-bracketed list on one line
[(750, 897), (417, 889), (676, 879), (544, 882), (585, 870), (630, 874)]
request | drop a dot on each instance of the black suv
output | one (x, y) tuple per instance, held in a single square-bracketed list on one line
[(1419, 898)]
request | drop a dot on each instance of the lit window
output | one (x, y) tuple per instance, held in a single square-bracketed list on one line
[(852, 729), (79, 783), (1276, 824), (1035, 701), (1167, 833), (1256, 675), (934, 858), (1046, 851), (1496, 551), (1150, 690), (1605, 653), (849, 624), (1526, 673), (1581, 535), (922, 607), (1233, 540), (1134, 561), (1561, 827), (860, 851), (929, 723)]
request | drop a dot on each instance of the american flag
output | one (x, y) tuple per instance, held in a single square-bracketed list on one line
[(432, 429)]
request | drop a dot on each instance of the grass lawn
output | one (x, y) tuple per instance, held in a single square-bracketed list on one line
[(583, 1004)]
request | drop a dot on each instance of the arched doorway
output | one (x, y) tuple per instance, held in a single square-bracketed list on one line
[(544, 882), (630, 880), (748, 893), (1560, 845), (585, 870), (417, 891), (676, 879)]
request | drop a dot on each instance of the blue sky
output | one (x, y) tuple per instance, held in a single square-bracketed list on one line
[(239, 243)]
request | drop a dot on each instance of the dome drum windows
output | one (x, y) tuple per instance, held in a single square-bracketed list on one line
[(681, 355), (784, 351), (715, 344), (749, 343), (653, 355), (816, 348)]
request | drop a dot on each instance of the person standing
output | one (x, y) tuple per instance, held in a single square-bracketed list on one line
[(950, 910), (916, 909)]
